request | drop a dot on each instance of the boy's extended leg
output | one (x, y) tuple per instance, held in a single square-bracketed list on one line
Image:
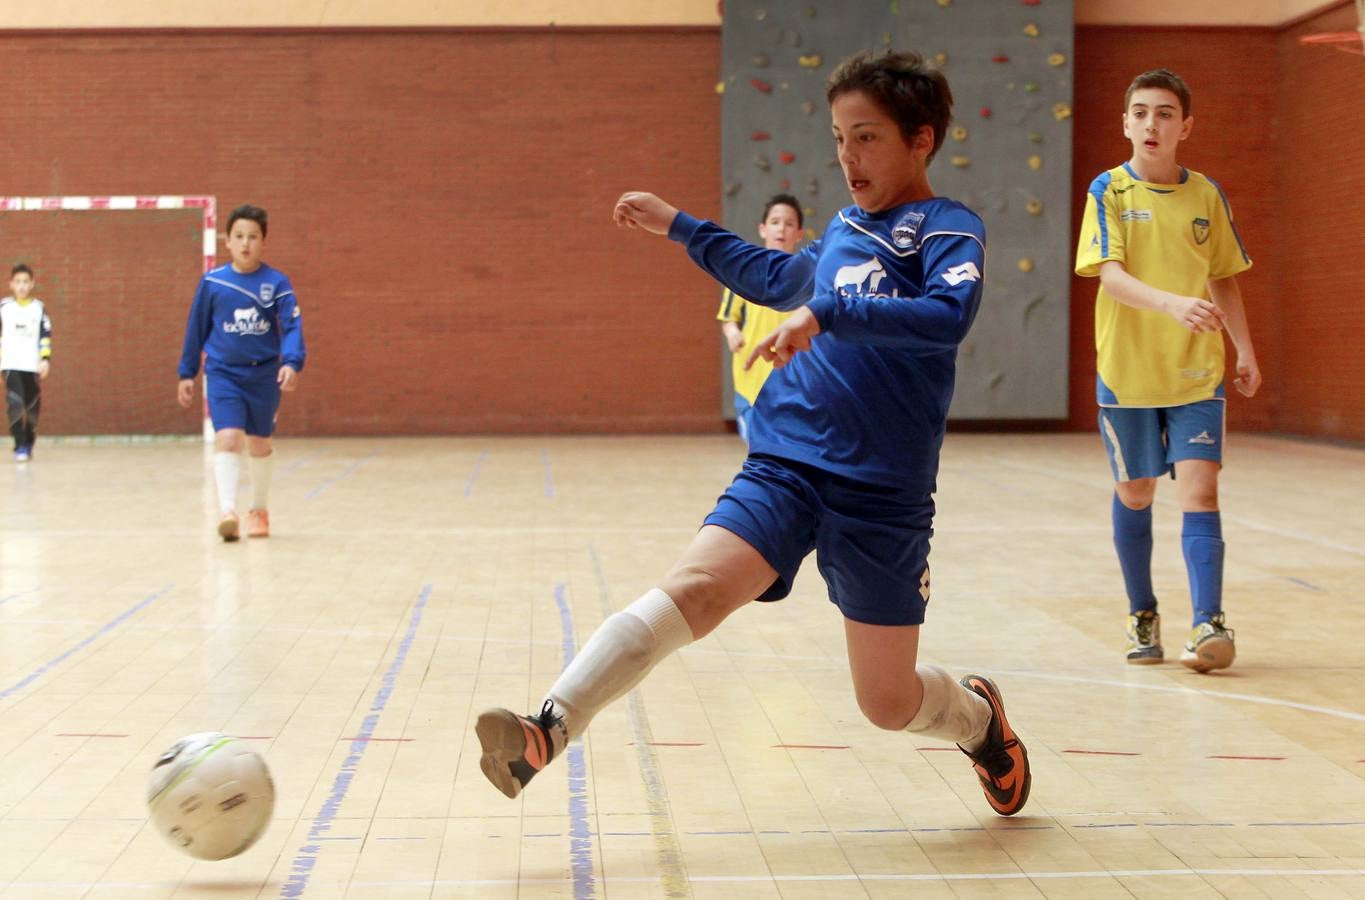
[(719, 573), (35, 406), (895, 693), (1133, 544)]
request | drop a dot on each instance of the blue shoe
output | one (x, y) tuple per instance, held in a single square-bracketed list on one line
[(23, 454)]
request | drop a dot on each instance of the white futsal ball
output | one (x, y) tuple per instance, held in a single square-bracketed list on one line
[(211, 795)]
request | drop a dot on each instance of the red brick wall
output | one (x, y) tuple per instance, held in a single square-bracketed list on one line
[(441, 201), (1320, 229)]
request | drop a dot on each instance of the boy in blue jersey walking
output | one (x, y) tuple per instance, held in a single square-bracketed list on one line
[(246, 321), (844, 443), (1162, 241)]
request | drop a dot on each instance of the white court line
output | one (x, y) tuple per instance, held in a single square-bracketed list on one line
[(732, 879)]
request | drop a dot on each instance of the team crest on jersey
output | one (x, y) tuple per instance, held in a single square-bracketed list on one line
[(905, 231), (267, 295), (1201, 230)]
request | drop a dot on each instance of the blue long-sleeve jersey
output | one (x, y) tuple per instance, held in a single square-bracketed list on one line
[(895, 292), (244, 320)]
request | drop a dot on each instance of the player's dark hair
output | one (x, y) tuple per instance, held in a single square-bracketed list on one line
[(907, 88), (247, 211), (784, 200), (1166, 80), (21, 268)]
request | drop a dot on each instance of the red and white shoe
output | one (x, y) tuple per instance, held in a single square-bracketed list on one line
[(257, 523)]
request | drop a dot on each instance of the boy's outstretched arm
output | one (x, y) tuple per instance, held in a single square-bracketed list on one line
[(1228, 296), (1194, 313), (771, 278)]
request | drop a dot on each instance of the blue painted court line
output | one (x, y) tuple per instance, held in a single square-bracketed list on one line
[(344, 473), (307, 858), (580, 838), (4, 600), (1301, 583), (105, 629), (303, 460), (474, 475), (549, 477)]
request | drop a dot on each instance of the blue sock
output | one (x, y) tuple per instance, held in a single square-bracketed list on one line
[(1133, 541), (1202, 541)]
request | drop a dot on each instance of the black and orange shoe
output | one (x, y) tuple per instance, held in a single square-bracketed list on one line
[(1001, 762), (516, 747)]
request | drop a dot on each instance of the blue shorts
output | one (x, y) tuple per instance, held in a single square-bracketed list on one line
[(1147, 442), (871, 541), (249, 402)]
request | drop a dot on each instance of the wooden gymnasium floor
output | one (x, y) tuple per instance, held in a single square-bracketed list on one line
[(412, 582)]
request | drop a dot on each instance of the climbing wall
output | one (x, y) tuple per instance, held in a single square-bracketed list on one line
[(1007, 156)]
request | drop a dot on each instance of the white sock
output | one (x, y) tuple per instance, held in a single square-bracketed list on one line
[(226, 469), (618, 655), (261, 467), (949, 711)]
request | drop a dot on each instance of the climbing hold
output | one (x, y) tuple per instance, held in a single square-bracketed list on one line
[(1025, 265), (759, 136), (732, 188), (1061, 111), (1035, 162), (808, 211), (959, 133), (940, 59), (762, 163), (1000, 58), (786, 158), (813, 186), (761, 61), (985, 112), (810, 12), (962, 162), (1035, 137), (760, 14), (761, 85), (720, 87), (886, 37), (1035, 207), (811, 61), (945, 2), (807, 107), (1031, 30), (1031, 86), (1056, 59)]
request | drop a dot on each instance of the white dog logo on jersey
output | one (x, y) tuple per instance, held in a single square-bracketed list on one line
[(849, 279), (247, 321)]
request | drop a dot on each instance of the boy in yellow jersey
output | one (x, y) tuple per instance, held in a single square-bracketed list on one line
[(1162, 241), (746, 322)]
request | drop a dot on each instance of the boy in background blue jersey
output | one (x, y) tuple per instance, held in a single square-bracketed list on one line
[(246, 321), (844, 443), (1162, 241)]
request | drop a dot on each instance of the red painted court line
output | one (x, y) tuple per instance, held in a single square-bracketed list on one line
[(1103, 752), (1221, 756), (375, 740), (671, 744), (810, 746), (89, 734)]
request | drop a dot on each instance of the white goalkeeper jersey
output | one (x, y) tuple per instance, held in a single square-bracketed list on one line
[(25, 334)]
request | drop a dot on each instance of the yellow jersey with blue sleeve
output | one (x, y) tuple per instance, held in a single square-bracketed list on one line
[(755, 322), (1174, 237)]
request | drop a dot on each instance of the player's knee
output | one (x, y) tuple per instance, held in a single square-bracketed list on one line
[(1136, 494), (704, 597), (888, 712), (229, 440)]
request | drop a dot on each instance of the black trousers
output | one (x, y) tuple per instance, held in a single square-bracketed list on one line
[(24, 399)]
